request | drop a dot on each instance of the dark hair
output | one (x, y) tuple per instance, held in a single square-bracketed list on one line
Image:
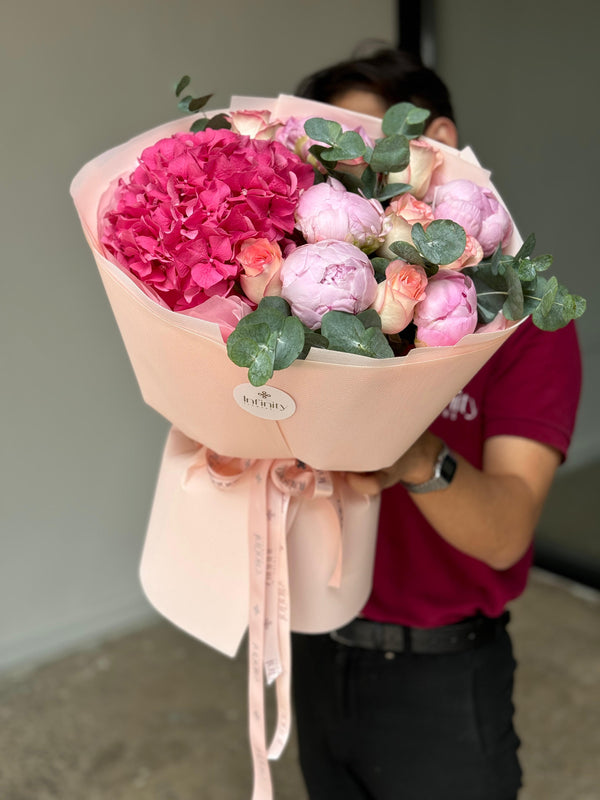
[(394, 75)]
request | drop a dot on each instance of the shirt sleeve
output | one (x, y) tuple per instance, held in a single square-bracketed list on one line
[(534, 386)]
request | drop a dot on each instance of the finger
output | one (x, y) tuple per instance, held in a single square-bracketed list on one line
[(363, 483)]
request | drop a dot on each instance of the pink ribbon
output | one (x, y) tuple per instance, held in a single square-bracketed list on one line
[(276, 485)]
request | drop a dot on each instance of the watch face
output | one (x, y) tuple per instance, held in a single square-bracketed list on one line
[(448, 468)]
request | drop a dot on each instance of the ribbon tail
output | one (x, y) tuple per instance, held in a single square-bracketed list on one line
[(258, 543), (283, 685)]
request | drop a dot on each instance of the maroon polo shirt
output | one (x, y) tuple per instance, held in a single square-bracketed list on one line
[(529, 388)]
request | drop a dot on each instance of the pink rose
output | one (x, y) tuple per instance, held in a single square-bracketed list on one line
[(327, 276), (177, 222), (225, 312), (478, 210), (397, 296), (448, 311), (261, 261), (424, 160), (400, 216), (328, 211), (255, 124)]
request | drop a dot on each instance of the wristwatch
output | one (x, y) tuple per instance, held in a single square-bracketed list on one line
[(443, 472)]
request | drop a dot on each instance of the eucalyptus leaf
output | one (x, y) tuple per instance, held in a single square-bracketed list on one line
[(542, 263), (408, 252), (347, 334), (391, 154), (370, 318), (351, 181), (323, 130), (183, 82), (289, 343), (404, 118), (513, 305), (368, 182), (379, 265), (219, 121), (390, 190), (563, 308), (349, 145), (199, 102), (527, 247), (184, 103), (251, 346), (441, 243), (312, 339)]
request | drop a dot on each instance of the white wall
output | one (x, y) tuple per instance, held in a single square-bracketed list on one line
[(80, 450), (524, 77)]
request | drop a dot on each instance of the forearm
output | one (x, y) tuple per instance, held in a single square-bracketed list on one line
[(489, 514), (491, 517)]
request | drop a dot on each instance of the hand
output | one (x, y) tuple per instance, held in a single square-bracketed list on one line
[(415, 466)]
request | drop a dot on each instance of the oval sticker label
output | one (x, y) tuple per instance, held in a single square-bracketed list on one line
[(264, 401)]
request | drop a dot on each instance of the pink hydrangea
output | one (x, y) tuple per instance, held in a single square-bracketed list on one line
[(178, 221)]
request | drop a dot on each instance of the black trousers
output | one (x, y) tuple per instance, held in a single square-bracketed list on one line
[(377, 726)]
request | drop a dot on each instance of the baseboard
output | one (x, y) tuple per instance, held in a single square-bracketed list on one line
[(125, 615)]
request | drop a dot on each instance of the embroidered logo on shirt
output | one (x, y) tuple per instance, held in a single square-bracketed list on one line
[(462, 405)]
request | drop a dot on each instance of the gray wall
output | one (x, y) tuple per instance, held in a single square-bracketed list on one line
[(524, 77), (80, 451)]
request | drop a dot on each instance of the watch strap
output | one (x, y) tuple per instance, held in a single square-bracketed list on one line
[(443, 473)]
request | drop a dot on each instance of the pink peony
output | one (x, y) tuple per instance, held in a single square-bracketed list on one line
[(328, 211), (179, 220), (255, 124), (401, 214), (225, 312), (327, 276), (478, 210), (424, 160), (449, 310), (404, 286), (261, 262)]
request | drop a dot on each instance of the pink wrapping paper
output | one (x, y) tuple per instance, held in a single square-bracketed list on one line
[(351, 412)]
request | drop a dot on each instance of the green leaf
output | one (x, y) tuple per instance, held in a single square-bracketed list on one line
[(349, 145), (379, 265), (407, 252), (199, 102), (266, 340), (312, 339), (347, 334), (251, 347), (183, 82), (527, 247), (513, 305), (352, 182), (368, 181), (370, 318), (404, 118), (563, 307), (184, 103), (391, 154), (442, 243), (216, 122), (323, 130), (542, 263), (392, 190)]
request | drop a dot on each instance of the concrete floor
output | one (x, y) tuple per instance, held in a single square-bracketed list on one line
[(157, 716)]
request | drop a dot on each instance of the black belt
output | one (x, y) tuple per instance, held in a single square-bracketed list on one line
[(455, 638)]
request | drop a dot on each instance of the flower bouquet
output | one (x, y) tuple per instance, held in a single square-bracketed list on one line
[(288, 279)]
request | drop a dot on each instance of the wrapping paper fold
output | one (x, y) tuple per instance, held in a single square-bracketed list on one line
[(195, 564)]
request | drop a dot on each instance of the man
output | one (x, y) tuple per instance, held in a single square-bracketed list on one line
[(412, 701)]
